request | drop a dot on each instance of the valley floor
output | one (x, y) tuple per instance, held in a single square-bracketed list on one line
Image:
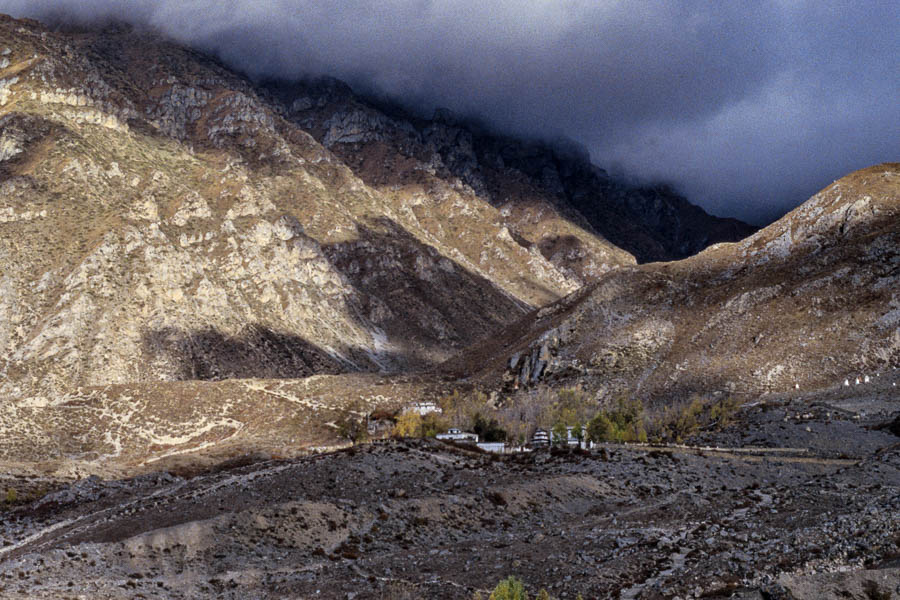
[(417, 519)]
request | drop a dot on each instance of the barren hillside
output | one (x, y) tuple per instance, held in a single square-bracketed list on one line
[(805, 303)]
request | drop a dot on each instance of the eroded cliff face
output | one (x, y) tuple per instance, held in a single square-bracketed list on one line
[(161, 219), (809, 301)]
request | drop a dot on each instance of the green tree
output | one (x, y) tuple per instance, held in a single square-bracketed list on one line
[(559, 434), (622, 423), (599, 429), (488, 430), (578, 431)]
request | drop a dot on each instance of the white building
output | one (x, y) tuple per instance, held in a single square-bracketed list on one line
[(423, 408), (497, 447), (540, 438), (458, 436)]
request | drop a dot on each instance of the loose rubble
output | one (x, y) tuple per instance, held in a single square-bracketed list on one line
[(432, 520)]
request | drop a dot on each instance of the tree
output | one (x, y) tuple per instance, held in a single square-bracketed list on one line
[(599, 429), (488, 430), (559, 434), (578, 431), (623, 423), (432, 424), (412, 424), (408, 425)]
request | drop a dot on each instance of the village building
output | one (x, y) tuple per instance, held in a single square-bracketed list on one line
[(423, 408), (456, 435), (540, 439), (496, 447)]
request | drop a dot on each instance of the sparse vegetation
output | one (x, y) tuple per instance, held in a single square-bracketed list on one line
[(676, 424), (352, 427), (509, 589), (512, 588)]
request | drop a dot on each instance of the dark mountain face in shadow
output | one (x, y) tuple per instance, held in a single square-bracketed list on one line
[(426, 302), (258, 352)]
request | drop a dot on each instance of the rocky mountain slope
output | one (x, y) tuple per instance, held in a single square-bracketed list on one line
[(807, 303), (162, 219)]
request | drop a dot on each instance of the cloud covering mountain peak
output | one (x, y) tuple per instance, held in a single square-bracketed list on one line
[(747, 108)]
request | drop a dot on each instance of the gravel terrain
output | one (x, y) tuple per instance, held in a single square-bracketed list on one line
[(776, 518)]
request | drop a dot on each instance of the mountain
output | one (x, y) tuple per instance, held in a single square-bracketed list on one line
[(165, 219), (208, 285), (804, 304), (167, 224), (391, 149), (162, 221)]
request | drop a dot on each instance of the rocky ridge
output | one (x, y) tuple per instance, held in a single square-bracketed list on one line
[(806, 303), (542, 188)]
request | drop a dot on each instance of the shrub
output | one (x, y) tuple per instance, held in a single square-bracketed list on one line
[(352, 428), (722, 412), (509, 589)]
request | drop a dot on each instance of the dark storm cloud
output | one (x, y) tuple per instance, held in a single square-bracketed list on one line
[(748, 107)]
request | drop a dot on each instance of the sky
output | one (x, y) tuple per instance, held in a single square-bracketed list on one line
[(747, 108)]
